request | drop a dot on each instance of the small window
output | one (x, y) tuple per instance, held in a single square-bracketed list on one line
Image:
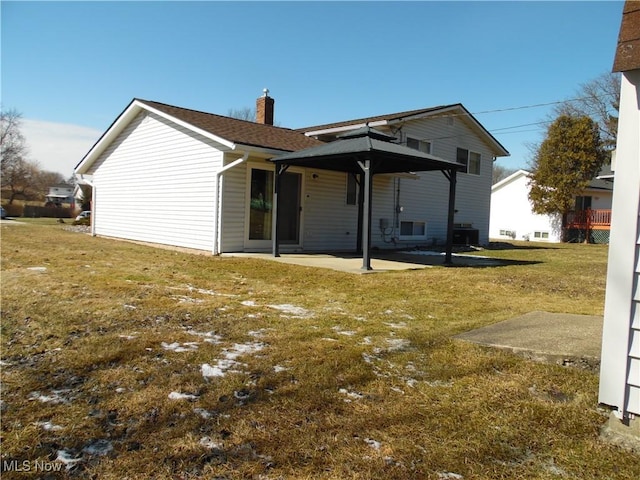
[(352, 190), (541, 235), (470, 160), (412, 230), (421, 145), (474, 163)]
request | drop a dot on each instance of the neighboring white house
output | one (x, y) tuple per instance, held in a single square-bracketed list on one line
[(171, 175), (60, 194), (620, 363), (512, 216)]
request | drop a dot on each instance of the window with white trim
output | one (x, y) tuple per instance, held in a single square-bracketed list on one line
[(413, 230), (541, 235), (421, 145), (471, 161)]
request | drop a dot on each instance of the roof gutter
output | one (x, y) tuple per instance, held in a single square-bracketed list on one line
[(217, 240)]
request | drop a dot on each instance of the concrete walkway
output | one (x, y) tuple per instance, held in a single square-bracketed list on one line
[(561, 338)]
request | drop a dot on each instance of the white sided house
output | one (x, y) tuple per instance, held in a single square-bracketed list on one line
[(170, 175), (512, 216), (620, 363)]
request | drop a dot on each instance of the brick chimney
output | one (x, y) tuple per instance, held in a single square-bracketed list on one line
[(264, 108)]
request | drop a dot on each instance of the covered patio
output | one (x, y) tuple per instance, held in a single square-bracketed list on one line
[(364, 153)]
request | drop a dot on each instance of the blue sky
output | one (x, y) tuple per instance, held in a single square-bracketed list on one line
[(70, 68)]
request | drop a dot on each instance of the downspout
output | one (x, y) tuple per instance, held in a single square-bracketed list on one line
[(216, 214), (93, 204)]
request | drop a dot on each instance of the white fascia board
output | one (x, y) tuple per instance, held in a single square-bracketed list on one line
[(345, 128)]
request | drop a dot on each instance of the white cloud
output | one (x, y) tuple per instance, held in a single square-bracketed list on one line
[(58, 147)]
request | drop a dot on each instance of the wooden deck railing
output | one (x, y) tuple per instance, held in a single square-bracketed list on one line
[(598, 219)]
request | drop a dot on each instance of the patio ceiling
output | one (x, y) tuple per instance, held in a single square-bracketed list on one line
[(366, 152)]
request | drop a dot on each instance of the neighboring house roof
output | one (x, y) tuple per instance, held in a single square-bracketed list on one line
[(628, 50), (595, 184), (506, 181), (231, 133), (397, 118), (604, 179)]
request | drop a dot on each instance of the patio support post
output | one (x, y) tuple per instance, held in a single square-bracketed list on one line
[(366, 218), (360, 182), (451, 175), (280, 169)]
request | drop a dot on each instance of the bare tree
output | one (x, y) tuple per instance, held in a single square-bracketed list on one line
[(20, 175), (500, 173), (598, 99), (245, 113)]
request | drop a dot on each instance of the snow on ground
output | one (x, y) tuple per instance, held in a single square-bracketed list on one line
[(294, 311), (229, 361), (56, 396), (179, 348), (182, 396)]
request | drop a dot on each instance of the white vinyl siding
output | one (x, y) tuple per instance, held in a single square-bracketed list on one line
[(329, 224), (155, 183), (233, 208), (620, 362)]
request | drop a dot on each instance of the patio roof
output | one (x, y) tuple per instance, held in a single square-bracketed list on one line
[(366, 152), (343, 154)]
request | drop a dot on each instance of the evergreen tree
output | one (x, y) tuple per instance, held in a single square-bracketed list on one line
[(570, 156)]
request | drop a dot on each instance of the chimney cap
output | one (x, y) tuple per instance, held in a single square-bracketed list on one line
[(265, 91)]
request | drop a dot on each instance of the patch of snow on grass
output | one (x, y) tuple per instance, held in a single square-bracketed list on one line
[(396, 344), (373, 443), (354, 395), (248, 303), (66, 457), (179, 348), (182, 396), (278, 369), (209, 337), (396, 325), (99, 447), (55, 397), (449, 475), (225, 364), (297, 312), (49, 427), (37, 269), (206, 442), (206, 414)]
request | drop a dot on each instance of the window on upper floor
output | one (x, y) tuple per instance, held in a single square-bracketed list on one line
[(471, 161), (421, 145)]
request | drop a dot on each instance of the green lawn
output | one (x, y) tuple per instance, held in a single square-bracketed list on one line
[(127, 361)]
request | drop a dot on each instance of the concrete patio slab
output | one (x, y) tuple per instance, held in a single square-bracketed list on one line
[(382, 261), (566, 339)]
